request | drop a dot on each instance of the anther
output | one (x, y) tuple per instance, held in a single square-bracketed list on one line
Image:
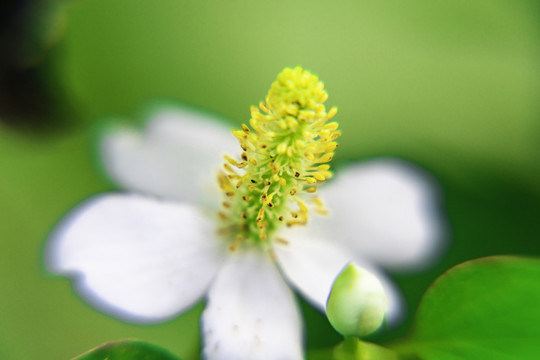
[(239, 135), (318, 202), (333, 125), (332, 113), (290, 151), (302, 206), (224, 231), (260, 215), (326, 158)]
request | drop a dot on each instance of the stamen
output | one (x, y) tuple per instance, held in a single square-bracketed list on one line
[(285, 153)]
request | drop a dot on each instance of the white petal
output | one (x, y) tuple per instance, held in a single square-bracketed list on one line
[(312, 264), (386, 211), (177, 157), (251, 313), (135, 257)]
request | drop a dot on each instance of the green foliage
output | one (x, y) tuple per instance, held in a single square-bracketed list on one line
[(482, 309), (127, 350)]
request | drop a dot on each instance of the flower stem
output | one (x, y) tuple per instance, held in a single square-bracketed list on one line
[(353, 348)]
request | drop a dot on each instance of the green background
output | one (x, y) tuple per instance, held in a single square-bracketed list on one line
[(451, 86)]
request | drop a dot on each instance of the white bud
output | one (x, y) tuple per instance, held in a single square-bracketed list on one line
[(357, 303)]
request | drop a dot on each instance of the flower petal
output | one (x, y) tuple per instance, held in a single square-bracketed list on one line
[(385, 211), (134, 257), (176, 158), (311, 265), (251, 313)]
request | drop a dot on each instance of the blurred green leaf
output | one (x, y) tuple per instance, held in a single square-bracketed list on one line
[(433, 81), (482, 309), (320, 354), (127, 350)]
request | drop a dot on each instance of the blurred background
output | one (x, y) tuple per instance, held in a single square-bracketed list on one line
[(452, 87)]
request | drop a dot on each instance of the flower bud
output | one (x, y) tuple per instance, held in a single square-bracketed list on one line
[(357, 303)]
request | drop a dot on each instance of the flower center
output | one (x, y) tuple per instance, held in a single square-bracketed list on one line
[(285, 157)]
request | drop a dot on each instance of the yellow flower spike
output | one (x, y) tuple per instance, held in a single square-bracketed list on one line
[(288, 136)]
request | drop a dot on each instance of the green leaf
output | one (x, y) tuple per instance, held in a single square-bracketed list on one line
[(481, 309), (127, 349)]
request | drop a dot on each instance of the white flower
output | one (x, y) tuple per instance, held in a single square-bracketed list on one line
[(149, 254)]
